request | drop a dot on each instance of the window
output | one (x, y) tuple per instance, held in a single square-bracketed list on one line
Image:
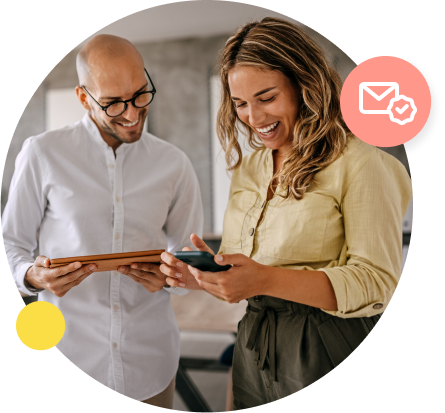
[(220, 177), (62, 108)]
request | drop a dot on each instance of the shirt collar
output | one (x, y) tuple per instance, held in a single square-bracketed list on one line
[(93, 131), (268, 174), (269, 164)]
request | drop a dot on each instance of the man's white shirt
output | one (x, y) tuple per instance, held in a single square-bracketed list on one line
[(71, 196)]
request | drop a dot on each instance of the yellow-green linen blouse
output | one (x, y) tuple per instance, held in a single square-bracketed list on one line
[(348, 224)]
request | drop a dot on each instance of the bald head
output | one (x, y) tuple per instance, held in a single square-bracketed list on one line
[(105, 52)]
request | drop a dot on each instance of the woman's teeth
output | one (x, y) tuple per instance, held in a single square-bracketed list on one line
[(128, 125), (269, 129)]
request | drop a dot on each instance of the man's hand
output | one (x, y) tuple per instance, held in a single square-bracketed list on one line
[(177, 272), (57, 280), (145, 273)]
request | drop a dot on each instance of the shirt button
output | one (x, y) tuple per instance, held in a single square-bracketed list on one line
[(114, 345), (115, 272), (257, 298), (377, 306), (111, 166), (102, 143), (117, 199), (117, 236), (251, 231), (116, 307)]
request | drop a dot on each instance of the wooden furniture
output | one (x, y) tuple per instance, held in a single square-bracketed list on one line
[(199, 311)]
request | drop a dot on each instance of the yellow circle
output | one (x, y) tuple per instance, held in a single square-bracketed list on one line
[(40, 325)]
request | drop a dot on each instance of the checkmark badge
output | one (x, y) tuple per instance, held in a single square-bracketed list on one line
[(396, 113), (401, 110)]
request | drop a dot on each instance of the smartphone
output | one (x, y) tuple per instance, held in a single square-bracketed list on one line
[(202, 260)]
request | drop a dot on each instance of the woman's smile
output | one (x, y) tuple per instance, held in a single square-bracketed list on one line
[(269, 132)]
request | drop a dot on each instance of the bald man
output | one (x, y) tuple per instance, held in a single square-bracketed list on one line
[(103, 185)]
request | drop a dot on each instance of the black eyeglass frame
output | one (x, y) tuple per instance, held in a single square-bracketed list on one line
[(132, 100)]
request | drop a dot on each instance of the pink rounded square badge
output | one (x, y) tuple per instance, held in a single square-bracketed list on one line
[(385, 101)]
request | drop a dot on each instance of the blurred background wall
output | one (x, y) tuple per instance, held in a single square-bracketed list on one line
[(180, 44)]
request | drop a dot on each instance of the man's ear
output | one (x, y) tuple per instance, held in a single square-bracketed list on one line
[(82, 96)]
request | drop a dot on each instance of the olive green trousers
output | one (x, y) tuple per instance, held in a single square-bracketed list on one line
[(283, 347)]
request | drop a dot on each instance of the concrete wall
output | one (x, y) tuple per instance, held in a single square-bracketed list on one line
[(180, 112)]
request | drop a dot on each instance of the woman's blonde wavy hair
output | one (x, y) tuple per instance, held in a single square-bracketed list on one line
[(320, 132)]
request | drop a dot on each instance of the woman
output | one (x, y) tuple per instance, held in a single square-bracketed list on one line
[(313, 227)]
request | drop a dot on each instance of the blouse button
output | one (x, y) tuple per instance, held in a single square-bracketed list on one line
[(377, 306), (251, 231)]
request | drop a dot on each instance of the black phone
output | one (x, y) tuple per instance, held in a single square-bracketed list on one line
[(202, 260)]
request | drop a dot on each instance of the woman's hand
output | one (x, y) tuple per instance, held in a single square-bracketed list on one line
[(177, 272), (245, 279)]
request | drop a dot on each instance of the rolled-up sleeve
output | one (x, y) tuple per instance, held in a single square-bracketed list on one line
[(373, 208)]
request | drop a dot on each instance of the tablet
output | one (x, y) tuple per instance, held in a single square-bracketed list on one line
[(110, 262)]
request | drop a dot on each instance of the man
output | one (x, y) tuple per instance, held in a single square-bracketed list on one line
[(102, 185)]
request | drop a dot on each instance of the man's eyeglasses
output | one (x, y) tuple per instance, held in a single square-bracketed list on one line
[(139, 101)]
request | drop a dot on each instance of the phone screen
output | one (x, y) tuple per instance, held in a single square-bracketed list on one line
[(201, 260)]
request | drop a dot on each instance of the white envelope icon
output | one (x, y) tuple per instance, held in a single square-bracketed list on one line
[(379, 108)]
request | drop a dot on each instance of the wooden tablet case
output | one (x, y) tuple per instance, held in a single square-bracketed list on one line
[(110, 262)]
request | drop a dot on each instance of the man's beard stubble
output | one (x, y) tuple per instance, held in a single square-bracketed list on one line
[(112, 132)]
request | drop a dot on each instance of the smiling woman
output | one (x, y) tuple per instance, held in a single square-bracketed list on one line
[(271, 111), (282, 57), (313, 226)]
